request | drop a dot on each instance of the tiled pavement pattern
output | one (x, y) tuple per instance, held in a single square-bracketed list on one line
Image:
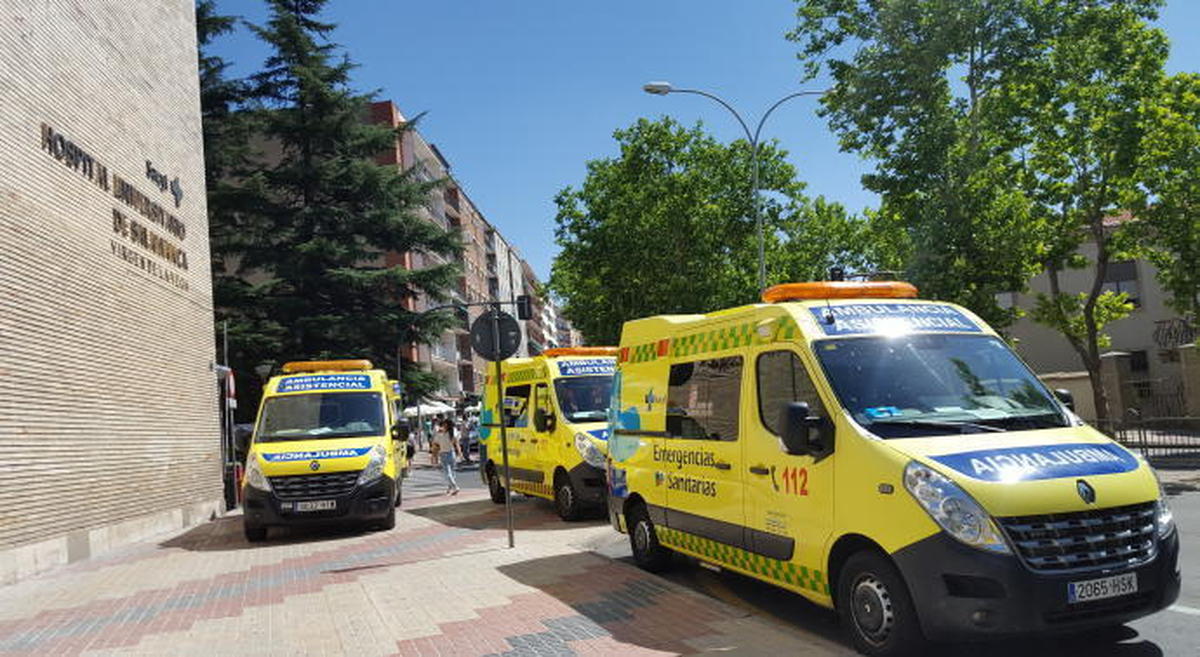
[(441, 583)]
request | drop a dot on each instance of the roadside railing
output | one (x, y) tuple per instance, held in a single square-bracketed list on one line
[(1163, 440)]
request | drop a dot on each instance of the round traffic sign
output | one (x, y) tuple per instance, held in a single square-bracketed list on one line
[(487, 326)]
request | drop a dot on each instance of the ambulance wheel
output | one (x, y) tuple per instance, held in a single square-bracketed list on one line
[(494, 487), (647, 552), (566, 500), (254, 533), (876, 608)]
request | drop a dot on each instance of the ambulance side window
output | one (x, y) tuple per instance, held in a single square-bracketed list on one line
[(782, 379), (703, 399), (516, 406)]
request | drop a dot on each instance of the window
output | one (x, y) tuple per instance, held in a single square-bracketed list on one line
[(782, 379), (704, 398), (1122, 277), (516, 406), (1139, 361), (321, 415), (542, 400)]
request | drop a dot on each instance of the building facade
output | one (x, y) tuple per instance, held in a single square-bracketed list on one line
[(108, 397), (491, 268), (1147, 343)]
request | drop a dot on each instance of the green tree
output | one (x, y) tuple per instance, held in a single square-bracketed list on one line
[(305, 273), (1004, 132), (916, 92), (1085, 136), (1169, 204), (666, 226)]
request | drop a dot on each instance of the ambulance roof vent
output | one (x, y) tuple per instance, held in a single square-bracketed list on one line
[(815, 290), (326, 365), (580, 351)]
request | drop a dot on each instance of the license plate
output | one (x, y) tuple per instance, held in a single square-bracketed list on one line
[(1099, 589), (317, 505)]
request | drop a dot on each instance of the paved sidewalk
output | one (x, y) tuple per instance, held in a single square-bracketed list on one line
[(441, 583)]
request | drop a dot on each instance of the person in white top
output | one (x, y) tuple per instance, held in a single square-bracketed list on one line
[(448, 453)]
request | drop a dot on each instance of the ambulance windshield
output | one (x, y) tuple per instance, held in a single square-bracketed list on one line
[(321, 415), (584, 398), (936, 384)]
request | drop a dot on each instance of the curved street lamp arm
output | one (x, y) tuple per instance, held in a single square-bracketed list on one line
[(779, 102), (745, 128)]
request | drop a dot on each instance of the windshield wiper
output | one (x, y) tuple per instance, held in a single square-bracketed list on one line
[(1049, 420), (938, 424)]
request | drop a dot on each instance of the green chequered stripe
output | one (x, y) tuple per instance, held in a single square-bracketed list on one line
[(643, 352), (521, 376), (733, 337), (772, 569)]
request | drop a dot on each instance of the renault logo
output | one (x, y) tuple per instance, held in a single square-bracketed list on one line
[(1085, 490), (316, 465)]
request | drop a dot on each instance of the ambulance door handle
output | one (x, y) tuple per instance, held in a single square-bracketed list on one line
[(533, 440), (722, 465), (760, 470)]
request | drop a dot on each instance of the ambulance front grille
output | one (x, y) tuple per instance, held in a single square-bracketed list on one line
[(314, 486), (1086, 540)]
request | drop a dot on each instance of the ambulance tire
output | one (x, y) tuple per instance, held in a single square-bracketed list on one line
[(399, 493), (495, 490), (566, 500), (876, 609), (254, 533), (647, 552)]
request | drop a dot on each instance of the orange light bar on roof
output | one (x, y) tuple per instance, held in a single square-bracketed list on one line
[(326, 365), (580, 351), (839, 290)]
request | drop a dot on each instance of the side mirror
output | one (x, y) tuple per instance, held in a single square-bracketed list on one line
[(399, 431), (1066, 398), (543, 421), (804, 434)]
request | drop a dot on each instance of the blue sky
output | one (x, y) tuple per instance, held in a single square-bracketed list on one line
[(519, 94)]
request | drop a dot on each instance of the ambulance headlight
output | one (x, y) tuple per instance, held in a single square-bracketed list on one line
[(588, 450), (254, 475), (1164, 520), (952, 509), (374, 469)]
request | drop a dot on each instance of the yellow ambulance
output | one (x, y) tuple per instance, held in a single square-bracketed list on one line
[(327, 448), (884, 456), (555, 410)]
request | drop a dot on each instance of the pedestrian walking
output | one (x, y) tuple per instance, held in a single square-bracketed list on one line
[(464, 438), (447, 449)]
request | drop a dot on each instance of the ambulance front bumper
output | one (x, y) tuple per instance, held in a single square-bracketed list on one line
[(589, 484), (962, 593), (372, 501)]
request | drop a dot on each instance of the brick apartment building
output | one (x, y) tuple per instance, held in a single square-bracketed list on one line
[(492, 269)]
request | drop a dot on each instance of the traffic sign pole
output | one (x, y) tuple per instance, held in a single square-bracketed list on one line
[(503, 433)]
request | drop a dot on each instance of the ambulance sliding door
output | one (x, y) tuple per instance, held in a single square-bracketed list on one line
[(700, 458)]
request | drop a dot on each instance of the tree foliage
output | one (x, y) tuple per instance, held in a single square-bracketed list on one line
[(305, 236), (918, 91), (667, 226), (1005, 133), (1169, 203)]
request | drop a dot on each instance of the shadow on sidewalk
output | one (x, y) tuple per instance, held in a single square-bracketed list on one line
[(225, 535), (615, 599), (529, 513)]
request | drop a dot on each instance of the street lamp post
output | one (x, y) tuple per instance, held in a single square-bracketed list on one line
[(664, 88)]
